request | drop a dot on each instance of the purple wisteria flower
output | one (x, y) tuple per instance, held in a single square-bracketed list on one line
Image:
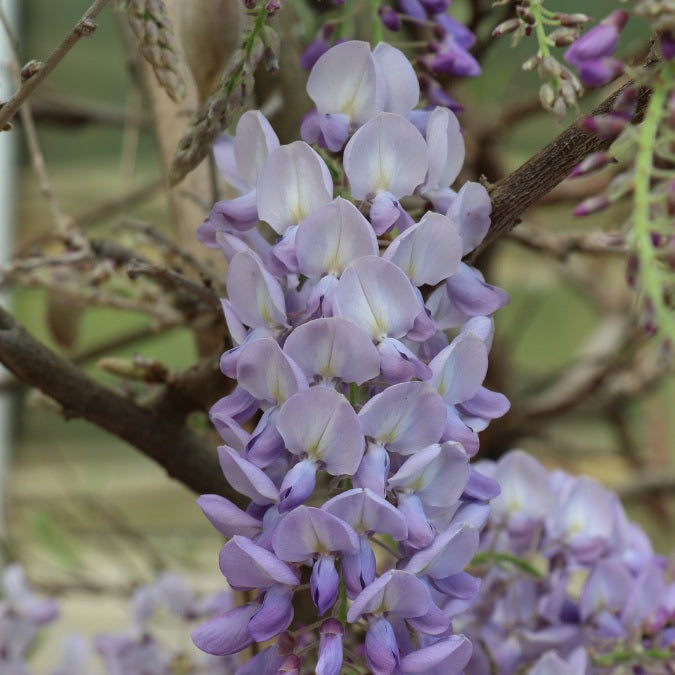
[(592, 53), (573, 587), (354, 414)]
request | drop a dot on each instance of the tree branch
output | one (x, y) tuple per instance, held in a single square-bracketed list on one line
[(85, 26), (513, 195), (171, 445)]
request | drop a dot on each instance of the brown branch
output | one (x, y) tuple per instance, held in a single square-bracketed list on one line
[(168, 443), (513, 195), (84, 27), (648, 484)]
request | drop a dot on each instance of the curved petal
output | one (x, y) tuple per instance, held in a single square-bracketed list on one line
[(321, 423), (367, 512), (398, 363), (429, 251), (395, 592), (227, 518), (331, 237), (226, 633), (446, 149), (254, 140), (469, 293), (403, 89), (307, 530), (255, 295), (223, 153), (344, 80), (387, 153), (247, 478), (470, 210), (333, 348), (267, 373), (275, 615), (376, 295), (460, 368), (404, 417), (293, 182), (449, 553), (451, 655), (437, 474), (247, 566)]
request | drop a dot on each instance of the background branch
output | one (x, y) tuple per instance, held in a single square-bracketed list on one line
[(171, 445), (513, 195), (85, 26)]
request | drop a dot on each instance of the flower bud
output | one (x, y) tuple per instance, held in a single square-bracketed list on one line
[(562, 37), (594, 162), (575, 19), (604, 126), (508, 26), (390, 18), (591, 205), (547, 96), (531, 63)]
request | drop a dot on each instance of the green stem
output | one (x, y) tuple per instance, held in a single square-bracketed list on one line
[(378, 34), (650, 269)]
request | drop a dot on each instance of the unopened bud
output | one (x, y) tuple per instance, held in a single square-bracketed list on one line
[(551, 66), (568, 93), (390, 18), (576, 19), (291, 664), (526, 15), (591, 205), (625, 104), (531, 63), (30, 69), (594, 162), (604, 126), (508, 26), (562, 37), (547, 96)]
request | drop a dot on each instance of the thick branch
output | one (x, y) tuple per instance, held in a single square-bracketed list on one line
[(513, 195), (85, 26), (171, 445)]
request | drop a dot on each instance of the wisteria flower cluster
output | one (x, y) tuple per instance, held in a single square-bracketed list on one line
[(354, 414), (136, 651), (571, 585)]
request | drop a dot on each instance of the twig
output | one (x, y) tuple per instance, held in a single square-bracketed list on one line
[(37, 158), (513, 195), (174, 248), (173, 281), (67, 111), (648, 484), (168, 443), (561, 246), (84, 27)]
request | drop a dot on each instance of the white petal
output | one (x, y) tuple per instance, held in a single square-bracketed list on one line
[(344, 81), (293, 182), (403, 89), (253, 142), (331, 237), (388, 153), (446, 149)]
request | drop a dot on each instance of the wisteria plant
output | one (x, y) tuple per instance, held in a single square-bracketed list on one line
[(364, 531)]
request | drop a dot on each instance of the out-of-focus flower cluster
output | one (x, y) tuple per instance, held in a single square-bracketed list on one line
[(445, 51), (362, 342), (139, 650), (571, 586)]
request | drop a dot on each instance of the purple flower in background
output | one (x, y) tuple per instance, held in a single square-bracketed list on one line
[(592, 53)]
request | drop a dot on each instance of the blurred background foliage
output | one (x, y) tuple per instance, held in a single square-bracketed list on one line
[(86, 511)]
